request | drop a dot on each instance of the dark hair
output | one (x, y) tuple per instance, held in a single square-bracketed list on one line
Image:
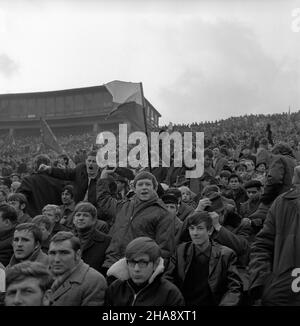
[(33, 228), (86, 207), (41, 159), (9, 213), (141, 246), (208, 152), (26, 269), (42, 219), (18, 197), (199, 217), (225, 174), (234, 175), (69, 189), (66, 235)]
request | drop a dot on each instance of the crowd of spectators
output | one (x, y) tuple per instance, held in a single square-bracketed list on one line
[(121, 236)]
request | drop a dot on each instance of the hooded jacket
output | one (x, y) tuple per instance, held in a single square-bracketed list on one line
[(158, 291), (133, 219)]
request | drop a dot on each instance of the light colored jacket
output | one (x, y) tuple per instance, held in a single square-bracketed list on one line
[(84, 287)]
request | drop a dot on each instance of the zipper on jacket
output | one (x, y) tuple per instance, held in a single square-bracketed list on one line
[(136, 294)]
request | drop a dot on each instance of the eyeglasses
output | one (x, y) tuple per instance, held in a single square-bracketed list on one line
[(252, 192), (141, 263)]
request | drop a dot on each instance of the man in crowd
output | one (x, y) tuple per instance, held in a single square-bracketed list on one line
[(45, 225), (274, 257), (67, 207), (93, 242), (204, 271), (40, 189), (8, 222), (171, 201), (53, 212), (139, 278), (19, 202), (279, 178), (75, 283), (28, 284), (142, 215), (84, 177), (27, 245), (219, 160), (254, 191), (236, 191)]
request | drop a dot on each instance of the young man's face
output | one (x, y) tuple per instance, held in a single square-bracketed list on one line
[(253, 192), (216, 152), (250, 166), (45, 232), (50, 213), (83, 220), (207, 161), (4, 223), (185, 195), (261, 168), (15, 178), (91, 165), (140, 268), (23, 244), (26, 293), (234, 183), (224, 181), (62, 257), (16, 204), (199, 234), (172, 208), (144, 189), (66, 197), (231, 164)]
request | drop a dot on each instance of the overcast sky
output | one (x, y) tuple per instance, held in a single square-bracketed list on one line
[(198, 60)]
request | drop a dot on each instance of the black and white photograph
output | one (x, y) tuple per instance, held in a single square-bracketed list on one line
[(149, 156)]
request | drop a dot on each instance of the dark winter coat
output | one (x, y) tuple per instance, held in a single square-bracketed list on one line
[(275, 252), (93, 252), (224, 280), (6, 249), (158, 292), (150, 218), (40, 190)]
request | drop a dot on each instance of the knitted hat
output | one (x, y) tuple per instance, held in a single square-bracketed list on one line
[(146, 175)]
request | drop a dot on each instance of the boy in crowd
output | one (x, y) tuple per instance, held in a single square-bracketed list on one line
[(45, 225), (67, 207), (140, 281), (204, 271), (19, 202), (171, 201), (236, 191)]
